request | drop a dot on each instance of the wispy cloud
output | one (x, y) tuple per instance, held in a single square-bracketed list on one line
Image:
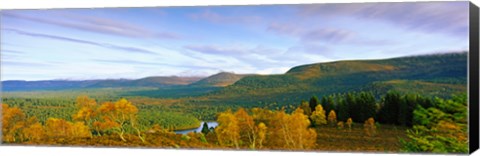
[(215, 50), (444, 17), (212, 16), (135, 62), (25, 64), (97, 25), (67, 39), (11, 51), (232, 50), (257, 56), (328, 35), (323, 34)]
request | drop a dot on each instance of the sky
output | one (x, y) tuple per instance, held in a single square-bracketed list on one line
[(131, 43)]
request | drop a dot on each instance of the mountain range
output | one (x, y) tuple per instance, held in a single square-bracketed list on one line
[(436, 74)]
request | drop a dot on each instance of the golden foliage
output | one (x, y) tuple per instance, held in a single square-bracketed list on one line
[(449, 129), (34, 132), (332, 117), (306, 108), (59, 128), (248, 130), (87, 110), (262, 134), (79, 129), (228, 130), (318, 116), (340, 125), (291, 131), (349, 123), (116, 117), (369, 127), (13, 120)]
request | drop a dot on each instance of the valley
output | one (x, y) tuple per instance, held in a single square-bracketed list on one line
[(181, 103)]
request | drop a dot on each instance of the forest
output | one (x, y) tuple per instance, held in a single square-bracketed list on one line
[(354, 121), (406, 104)]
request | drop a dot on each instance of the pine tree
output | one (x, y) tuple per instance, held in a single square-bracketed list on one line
[(313, 103), (342, 110), (205, 129)]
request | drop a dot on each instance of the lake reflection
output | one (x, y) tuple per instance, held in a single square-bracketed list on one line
[(199, 129)]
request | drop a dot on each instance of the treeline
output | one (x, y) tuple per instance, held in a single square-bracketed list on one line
[(440, 128), (149, 114), (392, 108), (437, 125)]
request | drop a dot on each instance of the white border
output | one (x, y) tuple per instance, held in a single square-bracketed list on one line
[(61, 151)]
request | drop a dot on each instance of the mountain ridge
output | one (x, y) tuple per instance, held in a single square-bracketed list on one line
[(314, 74)]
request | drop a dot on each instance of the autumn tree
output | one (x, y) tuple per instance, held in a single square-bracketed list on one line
[(340, 125), (59, 128), (306, 108), (13, 120), (248, 130), (33, 130), (349, 123), (228, 132), (262, 134), (86, 110), (118, 117), (369, 127), (318, 116), (291, 131), (332, 117)]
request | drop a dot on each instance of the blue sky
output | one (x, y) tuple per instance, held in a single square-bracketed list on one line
[(106, 43)]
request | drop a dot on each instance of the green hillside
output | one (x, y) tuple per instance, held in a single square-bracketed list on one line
[(221, 79), (158, 81), (431, 75)]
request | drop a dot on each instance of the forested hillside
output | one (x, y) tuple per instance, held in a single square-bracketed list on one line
[(370, 105), (431, 75)]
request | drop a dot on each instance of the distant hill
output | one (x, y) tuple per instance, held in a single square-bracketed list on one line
[(158, 81), (16, 85), (19, 85), (432, 75), (221, 79)]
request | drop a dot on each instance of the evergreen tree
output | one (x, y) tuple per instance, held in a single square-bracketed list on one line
[(342, 110), (350, 105), (313, 103), (205, 129), (368, 105), (390, 108), (328, 103)]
